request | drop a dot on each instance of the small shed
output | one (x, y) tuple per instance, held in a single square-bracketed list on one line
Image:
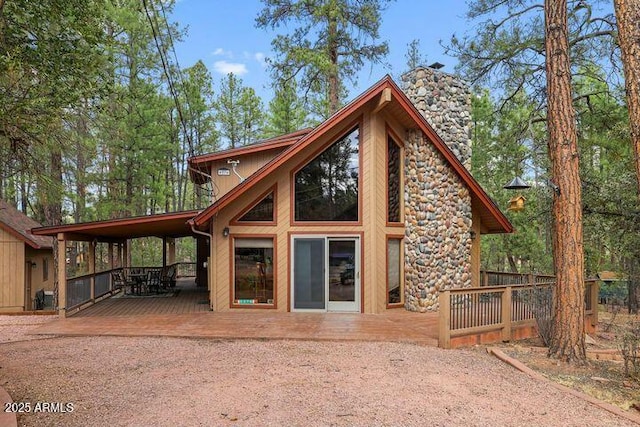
[(26, 261)]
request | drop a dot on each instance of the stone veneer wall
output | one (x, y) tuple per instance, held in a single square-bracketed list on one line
[(445, 101), (437, 202)]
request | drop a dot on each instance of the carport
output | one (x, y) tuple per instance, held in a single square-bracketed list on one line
[(76, 293)]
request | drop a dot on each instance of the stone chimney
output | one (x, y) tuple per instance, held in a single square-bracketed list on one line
[(438, 214), (445, 101)]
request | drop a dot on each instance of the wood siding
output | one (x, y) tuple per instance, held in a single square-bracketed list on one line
[(372, 227), (12, 272), (37, 280), (249, 163)]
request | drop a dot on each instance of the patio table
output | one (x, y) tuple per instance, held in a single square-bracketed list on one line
[(137, 282)]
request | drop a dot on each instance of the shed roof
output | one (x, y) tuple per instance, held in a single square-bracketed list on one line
[(173, 224), (18, 224)]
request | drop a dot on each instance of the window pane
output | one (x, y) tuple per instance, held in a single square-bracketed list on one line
[(393, 181), (253, 268), (326, 189), (308, 274), (393, 271), (263, 211)]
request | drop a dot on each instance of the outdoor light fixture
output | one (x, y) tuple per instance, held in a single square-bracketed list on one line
[(225, 232)]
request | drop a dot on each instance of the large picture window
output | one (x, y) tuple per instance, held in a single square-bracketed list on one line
[(326, 189), (253, 271)]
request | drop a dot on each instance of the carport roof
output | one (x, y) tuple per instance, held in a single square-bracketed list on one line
[(173, 224)]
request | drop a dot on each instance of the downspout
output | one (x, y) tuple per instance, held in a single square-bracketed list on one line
[(195, 231), (210, 236)]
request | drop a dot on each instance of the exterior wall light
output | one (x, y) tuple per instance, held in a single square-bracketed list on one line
[(225, 232)]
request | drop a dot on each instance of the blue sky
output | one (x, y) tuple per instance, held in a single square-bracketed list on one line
[(223, 35)]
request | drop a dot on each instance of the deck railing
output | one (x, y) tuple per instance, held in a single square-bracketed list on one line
[(185, 269), (501, 313), (79, 288), (500, 278)]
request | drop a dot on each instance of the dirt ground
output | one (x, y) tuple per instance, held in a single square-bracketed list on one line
[(117, 381), (603, 376)]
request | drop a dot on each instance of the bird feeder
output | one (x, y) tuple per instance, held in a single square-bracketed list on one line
[(516, 204)]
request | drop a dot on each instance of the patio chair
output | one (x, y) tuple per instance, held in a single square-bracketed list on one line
[(169, 276), (38, 301), (119, 281), (153, 281)]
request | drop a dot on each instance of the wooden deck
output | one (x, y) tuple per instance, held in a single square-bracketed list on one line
[(188, 299), (185, 315)]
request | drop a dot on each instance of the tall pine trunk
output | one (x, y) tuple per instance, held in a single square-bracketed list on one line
[(334, 79), (628, 17), (567, 340)]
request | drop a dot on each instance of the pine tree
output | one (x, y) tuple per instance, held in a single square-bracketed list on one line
[(286, 112), (330, 43)]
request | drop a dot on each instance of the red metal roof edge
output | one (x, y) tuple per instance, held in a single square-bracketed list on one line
[(52, 230), (385, 82), (267, 144), (21, 236)]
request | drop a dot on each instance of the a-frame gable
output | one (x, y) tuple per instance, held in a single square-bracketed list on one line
[(385, 91)]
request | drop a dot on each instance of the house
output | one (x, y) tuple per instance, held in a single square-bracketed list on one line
[(26, 261), (368, 211), (374, 209)]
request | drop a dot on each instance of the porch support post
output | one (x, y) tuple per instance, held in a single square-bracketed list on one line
[(444, 319), (172, 250), (119, 257), (92, 268), (62, 276), (164, 251), (110, 252), (125, 253), (506, 314)]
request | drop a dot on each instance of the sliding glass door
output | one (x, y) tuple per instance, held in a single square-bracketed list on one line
[(326, 273)]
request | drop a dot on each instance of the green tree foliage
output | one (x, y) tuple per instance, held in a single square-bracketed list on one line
[(49, 59), (228, 109), (238, 112), (500, 150), (251, 116), (330, 41), (414, 56), (201, 134), (505, 49), (286, 111)]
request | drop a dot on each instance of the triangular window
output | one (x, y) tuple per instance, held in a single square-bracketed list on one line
[(261, 211)]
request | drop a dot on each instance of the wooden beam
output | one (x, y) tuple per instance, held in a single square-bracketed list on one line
[(384, 100)]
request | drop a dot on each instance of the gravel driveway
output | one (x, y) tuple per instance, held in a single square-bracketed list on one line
[(113, 381)]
